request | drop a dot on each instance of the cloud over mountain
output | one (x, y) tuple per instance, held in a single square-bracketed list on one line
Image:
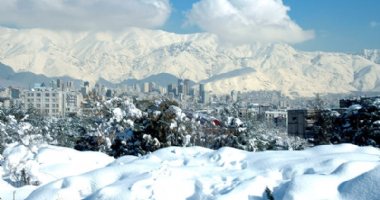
[(84, 14), (247, 21)]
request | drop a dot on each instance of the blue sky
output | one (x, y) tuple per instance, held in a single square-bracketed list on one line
[(339, 25), (322, 25)]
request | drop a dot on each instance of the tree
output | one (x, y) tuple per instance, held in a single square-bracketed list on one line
[(325, 119)]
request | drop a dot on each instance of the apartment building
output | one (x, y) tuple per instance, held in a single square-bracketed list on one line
[(52, 102)]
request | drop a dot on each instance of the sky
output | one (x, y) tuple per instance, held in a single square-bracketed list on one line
[(311, 25), (339, 25)]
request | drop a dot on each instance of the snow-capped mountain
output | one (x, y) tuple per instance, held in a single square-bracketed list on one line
[(372, 54), (139, 53)]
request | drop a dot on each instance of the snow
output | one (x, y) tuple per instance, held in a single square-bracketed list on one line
[(364, 186), (201, 55), (236, 123), (355, 107), (353, 110), (377, 103), (118, 114), (177, 112), (47, 164), (335, 114), (325, 172), (372, 54), (156, 113), (132, 111)]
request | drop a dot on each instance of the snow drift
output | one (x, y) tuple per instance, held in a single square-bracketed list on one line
[(325, 172)]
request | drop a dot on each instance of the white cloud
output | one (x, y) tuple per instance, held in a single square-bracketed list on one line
[(374, 24), (247, 21), (84, 14)]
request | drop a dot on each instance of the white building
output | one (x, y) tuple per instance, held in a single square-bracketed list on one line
[(52, 102), (146, 87)]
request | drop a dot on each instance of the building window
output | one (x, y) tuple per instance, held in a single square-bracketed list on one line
[(46, 105), (38, 94), (47, 94)]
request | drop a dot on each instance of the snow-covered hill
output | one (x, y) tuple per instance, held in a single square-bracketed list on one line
[(139, 53), (324, 172)]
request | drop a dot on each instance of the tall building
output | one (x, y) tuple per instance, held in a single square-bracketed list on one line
[(171, 88), (85, 89), (146, 87), (136, 88), (201, 88), (59, 84), (186, 87), (203, 95), (152, 86), (162, 90), (180, 86)]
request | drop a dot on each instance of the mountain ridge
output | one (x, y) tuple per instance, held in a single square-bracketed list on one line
[(26, 79), (371, 54), (140, 53)]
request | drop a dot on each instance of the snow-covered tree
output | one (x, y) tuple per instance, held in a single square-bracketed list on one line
[(357, 125), (163, 124)]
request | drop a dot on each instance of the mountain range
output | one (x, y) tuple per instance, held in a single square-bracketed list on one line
[(135, 54), (8, 77)]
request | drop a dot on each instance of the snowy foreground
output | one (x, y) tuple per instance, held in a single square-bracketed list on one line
[(324, 172)]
